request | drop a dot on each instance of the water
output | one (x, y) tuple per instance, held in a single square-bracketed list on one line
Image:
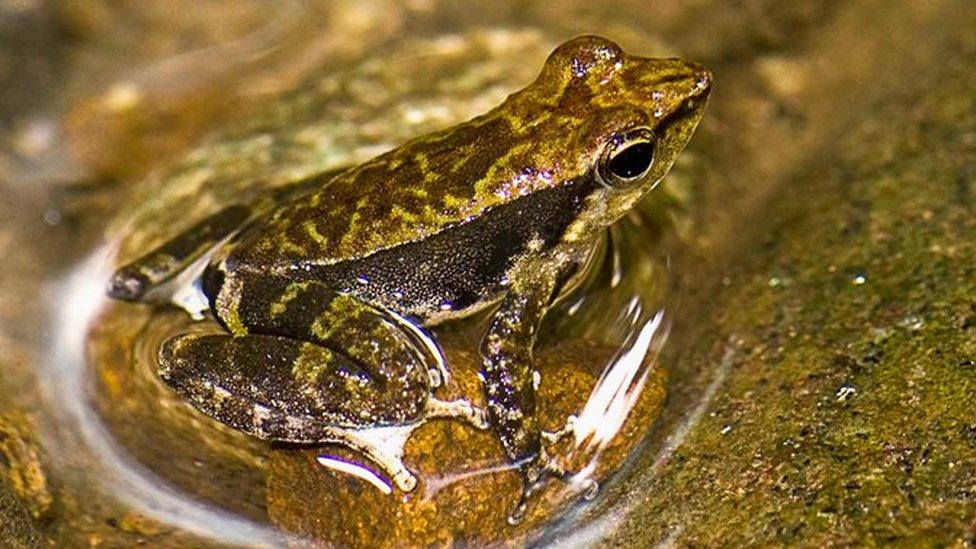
[(75, 304)]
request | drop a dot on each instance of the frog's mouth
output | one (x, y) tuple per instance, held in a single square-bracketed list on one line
[(684, 119), (676, 129)]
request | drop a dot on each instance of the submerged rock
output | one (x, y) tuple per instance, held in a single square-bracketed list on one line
[(24, 496), (466, 489)]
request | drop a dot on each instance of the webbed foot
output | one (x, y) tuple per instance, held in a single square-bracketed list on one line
[(543, 467), (381, 445), (384, 445)]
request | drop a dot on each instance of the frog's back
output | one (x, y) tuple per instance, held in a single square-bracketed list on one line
[(537, 139), (437, 208), (407, 195)]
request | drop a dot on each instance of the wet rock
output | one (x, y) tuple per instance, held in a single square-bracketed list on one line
[(843, 409), (20, 464), (24, 497), (17, 529), (466, 491)]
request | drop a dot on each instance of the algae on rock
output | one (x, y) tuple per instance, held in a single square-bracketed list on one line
[(848, 330)]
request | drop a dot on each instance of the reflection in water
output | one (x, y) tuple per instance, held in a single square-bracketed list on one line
[(357, 470), (619, 386), (74, 304), (601, 527)]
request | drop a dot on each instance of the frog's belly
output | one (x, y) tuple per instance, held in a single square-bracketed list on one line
[(457, 271)]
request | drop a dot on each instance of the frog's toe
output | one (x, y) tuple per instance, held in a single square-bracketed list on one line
[(128, 284), (404, 480), (518, 514), (554, 437), (477, 417), (399, 476), (461, 409), (480, 419), (393, 466), (542, 469), (384, 447), (534, 478), (538, 471)]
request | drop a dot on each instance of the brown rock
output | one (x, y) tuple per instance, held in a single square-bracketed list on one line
[(461, 497)]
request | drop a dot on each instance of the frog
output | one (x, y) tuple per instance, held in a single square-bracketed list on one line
[(326, 291)]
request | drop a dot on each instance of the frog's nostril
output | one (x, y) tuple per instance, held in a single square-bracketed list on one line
[(703, 80)]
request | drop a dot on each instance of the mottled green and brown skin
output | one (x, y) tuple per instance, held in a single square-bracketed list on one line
[(321, 288)]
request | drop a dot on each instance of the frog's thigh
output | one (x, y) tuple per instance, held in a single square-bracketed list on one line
[(276, 388), (385, 351)]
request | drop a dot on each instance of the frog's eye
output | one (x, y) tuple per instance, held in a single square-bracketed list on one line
[(627, 158)]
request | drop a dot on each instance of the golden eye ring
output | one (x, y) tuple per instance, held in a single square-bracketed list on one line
[(627, 158)]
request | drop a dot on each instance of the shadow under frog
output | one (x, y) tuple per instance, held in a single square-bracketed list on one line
[(325, 288)]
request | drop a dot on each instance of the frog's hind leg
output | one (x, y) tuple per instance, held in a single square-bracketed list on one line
[(306, 364), (386, 346), (133, 281), (285, 390)]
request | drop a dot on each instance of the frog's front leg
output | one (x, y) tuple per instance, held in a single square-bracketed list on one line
[(510, 381), (305, 364)]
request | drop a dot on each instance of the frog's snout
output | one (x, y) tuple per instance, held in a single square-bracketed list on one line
[(703, 80), (695, 80), (701, 87), (696, 86)]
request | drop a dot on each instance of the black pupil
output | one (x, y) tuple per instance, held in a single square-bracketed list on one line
[(632, 161)]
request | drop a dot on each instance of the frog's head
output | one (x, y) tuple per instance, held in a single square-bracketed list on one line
[(616, 118)]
